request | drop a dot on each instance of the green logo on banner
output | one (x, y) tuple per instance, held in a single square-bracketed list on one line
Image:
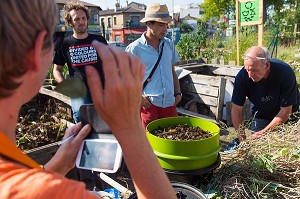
[(249, 11)]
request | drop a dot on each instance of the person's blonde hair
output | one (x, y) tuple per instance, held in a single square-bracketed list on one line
[(74, 5), (20, 22)]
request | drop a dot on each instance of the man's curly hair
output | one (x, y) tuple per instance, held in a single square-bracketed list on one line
[(74, 5)]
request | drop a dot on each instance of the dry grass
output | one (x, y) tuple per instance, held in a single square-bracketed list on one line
[(268, 167)]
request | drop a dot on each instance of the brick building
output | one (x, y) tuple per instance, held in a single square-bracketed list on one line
[(123, 24)]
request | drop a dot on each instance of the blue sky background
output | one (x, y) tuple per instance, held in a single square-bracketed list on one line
[(104, 4)]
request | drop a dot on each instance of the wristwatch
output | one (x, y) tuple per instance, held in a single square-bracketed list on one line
[(177, 94)]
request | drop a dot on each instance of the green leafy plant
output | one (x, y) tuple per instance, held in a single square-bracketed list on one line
[(264, 162), (22, 140), (268, 186), (190, 44)]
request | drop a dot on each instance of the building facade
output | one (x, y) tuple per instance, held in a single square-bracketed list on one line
[(123, 24), (94, 10)]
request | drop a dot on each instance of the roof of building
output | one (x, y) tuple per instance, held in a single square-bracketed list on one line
[(138, 4), (189, 17), (133, 2), (121, 10), (83, 2)]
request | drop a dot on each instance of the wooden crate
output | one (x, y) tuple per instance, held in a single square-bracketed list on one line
[(204, 95)]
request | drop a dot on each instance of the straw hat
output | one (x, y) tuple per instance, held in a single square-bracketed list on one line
[(157, 12)]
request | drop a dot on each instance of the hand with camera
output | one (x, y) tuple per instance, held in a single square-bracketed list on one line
[(119, 105)]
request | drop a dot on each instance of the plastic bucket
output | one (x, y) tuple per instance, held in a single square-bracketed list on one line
[(185, 155)]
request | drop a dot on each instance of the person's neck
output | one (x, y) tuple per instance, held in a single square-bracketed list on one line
[(80, 35), (266, 75), (152, 40), (9, 118)]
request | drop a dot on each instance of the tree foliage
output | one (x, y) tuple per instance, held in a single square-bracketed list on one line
[(186, 28), (190, 43), (216, 8), (219, 8)]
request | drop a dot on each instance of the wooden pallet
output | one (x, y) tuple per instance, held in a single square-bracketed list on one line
[(204, 95)]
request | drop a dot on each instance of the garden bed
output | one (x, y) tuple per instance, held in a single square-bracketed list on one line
[(42, 121)]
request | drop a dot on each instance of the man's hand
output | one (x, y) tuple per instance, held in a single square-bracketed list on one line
[(177, 99), (64, 159), (281, 117), (257, 134), (146, 102)]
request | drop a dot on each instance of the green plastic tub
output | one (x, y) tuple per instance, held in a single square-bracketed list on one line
[(185, 155)]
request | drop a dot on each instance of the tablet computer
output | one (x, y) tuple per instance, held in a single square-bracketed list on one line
[(102, 155)]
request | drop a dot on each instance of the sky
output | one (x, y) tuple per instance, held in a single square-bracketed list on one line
[(104, 4)]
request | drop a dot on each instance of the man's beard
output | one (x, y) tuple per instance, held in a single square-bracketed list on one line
[(80, 30)]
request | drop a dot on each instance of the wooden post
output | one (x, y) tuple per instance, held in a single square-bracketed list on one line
[(261, 24), (260, 34), (237, 22), (295, 32)]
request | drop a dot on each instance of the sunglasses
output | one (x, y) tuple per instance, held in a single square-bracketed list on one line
[(246, 57)]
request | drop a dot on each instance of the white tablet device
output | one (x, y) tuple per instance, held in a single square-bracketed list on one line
[(102, 155)]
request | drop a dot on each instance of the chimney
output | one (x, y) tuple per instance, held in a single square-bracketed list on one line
[(117, 5)]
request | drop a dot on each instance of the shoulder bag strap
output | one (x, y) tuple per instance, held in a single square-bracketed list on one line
[(155, 66)]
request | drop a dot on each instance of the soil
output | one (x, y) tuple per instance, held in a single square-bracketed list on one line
[(182, 132), (40, 122)]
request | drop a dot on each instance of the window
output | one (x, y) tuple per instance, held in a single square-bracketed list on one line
[(115, 20), (118, 38), (61, 16), (96, 19), (135, 20), (109, 22), (102, 22), (201, 12)]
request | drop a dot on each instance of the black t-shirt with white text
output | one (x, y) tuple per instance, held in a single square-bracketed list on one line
[(78, 53)]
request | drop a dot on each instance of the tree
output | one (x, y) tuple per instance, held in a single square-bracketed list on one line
[(190, 43), (217, 8), (186, 28)]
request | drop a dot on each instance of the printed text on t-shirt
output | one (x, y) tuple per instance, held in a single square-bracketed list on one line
[(83, 55)]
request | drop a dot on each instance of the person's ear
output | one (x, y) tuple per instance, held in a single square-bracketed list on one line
[(148, 23), (268, 65), (34, 57)]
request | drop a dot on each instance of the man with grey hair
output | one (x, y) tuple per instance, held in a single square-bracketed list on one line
[(270, 85)]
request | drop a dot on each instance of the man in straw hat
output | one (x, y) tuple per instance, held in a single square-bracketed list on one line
[(162, 92)]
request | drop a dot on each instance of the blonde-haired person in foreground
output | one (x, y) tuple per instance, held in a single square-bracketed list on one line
[(26, 29)]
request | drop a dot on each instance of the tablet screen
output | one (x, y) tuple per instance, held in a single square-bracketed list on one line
[(99, 155)]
